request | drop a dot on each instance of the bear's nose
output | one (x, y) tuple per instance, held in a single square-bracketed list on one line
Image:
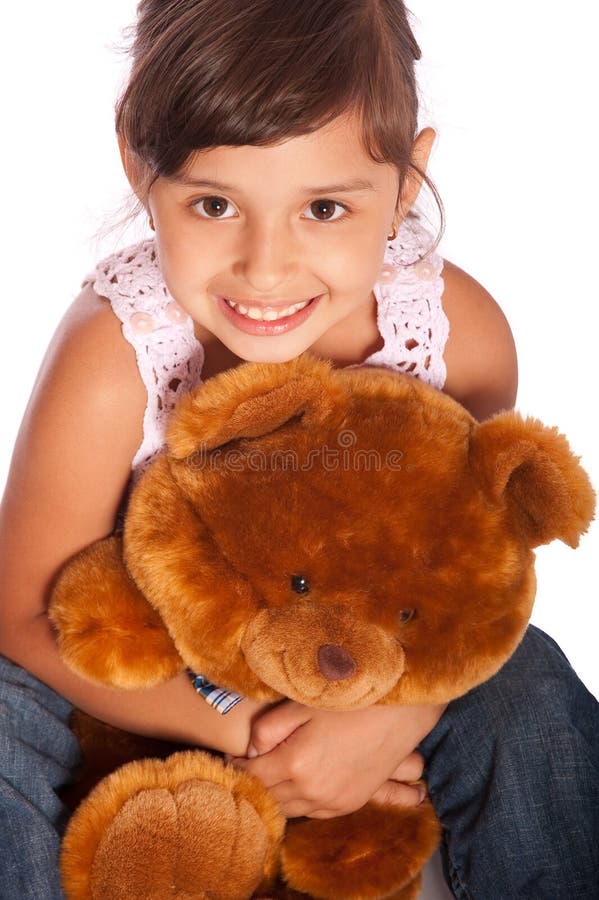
[(335, 663)]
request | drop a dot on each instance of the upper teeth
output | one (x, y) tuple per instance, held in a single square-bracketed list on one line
[(266, 315)]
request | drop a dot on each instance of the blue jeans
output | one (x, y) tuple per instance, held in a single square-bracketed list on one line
[(513, 771), (38, 754)]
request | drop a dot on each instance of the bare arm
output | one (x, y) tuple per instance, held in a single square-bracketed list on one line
[(482, 370), (70, 467)]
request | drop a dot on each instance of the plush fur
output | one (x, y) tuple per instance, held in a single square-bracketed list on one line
[(339, 537)]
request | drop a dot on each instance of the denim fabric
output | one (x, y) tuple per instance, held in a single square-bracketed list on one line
[(513, 773), (38, 754)]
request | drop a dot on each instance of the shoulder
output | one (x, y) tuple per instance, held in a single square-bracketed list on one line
[(72, 459), (88, 354), (85, 413), (131, 279), (480, 355)]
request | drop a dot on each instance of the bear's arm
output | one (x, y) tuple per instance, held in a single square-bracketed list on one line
[(107, 631)]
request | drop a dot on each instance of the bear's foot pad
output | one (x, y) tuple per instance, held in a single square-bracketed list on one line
[(190, 843)]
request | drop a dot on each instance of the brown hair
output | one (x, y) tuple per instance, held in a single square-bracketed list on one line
[(209, 73)]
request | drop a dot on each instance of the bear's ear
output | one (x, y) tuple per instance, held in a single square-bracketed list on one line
[(252, 400), (532, 470)]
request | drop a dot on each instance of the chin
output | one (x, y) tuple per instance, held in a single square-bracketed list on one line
[(269, 354), (271, 357)]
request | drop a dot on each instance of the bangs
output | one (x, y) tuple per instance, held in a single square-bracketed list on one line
[(208, 74)]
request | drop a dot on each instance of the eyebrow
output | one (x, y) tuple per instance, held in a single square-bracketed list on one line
[(346, 187)]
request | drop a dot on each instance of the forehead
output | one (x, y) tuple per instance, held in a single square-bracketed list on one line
[(331, 155)]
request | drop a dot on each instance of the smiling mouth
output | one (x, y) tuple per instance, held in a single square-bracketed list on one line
[(266, 313)]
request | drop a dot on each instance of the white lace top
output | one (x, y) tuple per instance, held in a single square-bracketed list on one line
[(410, 319)]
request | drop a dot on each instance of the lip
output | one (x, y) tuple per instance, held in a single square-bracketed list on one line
[(265, 304), (279, 326)]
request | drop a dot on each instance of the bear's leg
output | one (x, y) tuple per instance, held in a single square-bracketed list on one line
[(513, 772), (376, 852), (186, 828), (38, 755), (410, 892)]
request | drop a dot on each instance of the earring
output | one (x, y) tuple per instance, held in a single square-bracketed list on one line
[(393, 235)]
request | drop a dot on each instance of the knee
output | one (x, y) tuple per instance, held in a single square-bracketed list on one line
[(536, 693), (536, 685), (34, 732), (517, 759)]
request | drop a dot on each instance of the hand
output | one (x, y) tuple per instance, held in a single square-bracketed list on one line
[(321, 763), (230, 733)]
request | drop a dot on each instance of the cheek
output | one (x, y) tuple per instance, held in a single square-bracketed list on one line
[(360, 260), (180, 244), (183, 264)]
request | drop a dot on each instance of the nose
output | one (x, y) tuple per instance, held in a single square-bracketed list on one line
[(335, 663), (266, 257)]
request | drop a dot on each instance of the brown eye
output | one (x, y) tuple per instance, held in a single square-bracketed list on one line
[(212, 207), (324, 210), (406, 615)]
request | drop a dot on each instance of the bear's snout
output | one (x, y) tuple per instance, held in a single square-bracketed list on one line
[(322, 656), (335, 663)]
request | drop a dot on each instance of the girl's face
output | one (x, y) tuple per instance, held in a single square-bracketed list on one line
[(272, 228)]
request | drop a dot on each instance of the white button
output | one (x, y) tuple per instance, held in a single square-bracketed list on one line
[(142, 323), (425, 271), (388, 274), (175, 313)]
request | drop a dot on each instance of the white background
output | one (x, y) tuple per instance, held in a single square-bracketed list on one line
[(511, 89)]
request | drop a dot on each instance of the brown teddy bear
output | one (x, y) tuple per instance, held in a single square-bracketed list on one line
[(341, 537)]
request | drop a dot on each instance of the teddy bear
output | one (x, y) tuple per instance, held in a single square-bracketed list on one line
[(341, 537)]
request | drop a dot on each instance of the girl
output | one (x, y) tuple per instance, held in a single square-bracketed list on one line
[(274, 148)]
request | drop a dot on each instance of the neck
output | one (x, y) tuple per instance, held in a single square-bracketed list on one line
[(353, 339)]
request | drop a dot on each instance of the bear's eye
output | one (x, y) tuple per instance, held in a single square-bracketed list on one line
[(299, 584), (406, 614)]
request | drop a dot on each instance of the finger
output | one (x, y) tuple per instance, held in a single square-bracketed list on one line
[(271, 768), (301, 808), (395, 793), (410, 769), (296, 809), (324, 814), (293, 805), (299, 802), (276, 725)]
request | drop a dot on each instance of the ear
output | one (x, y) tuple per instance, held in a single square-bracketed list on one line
[(421, 152), (531, 469), (253, 400), (138, 173)]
